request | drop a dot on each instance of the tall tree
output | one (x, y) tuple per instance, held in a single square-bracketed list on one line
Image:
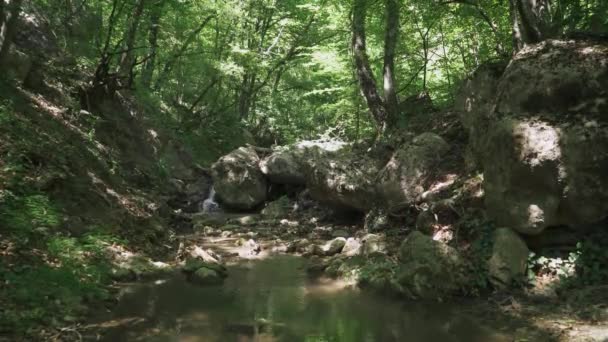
[(531, 20), (365, 75), (390, 44), (127, 57), (9, 13), (150, 64)]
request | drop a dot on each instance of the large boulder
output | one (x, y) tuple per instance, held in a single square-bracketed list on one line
[(544, 131), (238, 181), (404, 178), (343, 181), (333, 172), (474, 102), (284, 166), (337, 175), (429, 269), (509, 258)]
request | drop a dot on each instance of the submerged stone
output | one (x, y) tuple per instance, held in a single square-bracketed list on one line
[(206, 276)]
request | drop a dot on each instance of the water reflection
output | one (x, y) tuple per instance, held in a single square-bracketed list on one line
[(272, 300)]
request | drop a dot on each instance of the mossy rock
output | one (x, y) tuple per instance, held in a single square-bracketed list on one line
[(278, 209), (212, 220), (140, 268), (429, 269), (206, 276), (192, 265)]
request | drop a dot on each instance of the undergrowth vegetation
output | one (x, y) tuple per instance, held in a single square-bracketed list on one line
[(46, 274), (52, 262), (584, 266)]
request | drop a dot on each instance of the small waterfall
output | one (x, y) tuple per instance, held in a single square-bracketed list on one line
[(209, 204)]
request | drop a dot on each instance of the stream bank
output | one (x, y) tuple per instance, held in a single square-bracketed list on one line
[(98, 192)]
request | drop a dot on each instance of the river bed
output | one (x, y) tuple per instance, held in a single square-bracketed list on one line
[(274, 300)]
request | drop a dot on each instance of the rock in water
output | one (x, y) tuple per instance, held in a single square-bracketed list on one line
[(428, 269), (192, 265), (238, 181), (206, 276), (509, 258), (372, 243), (352, 247), (334, 246), (542, 136)]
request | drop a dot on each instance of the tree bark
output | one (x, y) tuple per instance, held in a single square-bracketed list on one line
[(245, 95), (9, 13), (127, 57), (390, 45), (531, 21), (365, 74), (2, 4), (150, 65)]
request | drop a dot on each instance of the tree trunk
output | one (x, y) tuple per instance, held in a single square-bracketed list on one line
[(531, 21), (446, 61), (148, 68), (390, 44), (365, 74), (246, 95), (2, 12), (9, 13), (127, 57)]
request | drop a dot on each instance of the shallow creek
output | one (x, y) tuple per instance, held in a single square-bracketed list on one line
[(274, 300)]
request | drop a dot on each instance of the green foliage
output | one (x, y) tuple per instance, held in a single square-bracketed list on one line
[(283, 69), (76, 271), (583, 266), (379, 274), (28, 216), (590, 260), (560, 267)]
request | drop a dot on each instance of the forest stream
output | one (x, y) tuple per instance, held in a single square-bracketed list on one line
[(304, 170), (274, 300)]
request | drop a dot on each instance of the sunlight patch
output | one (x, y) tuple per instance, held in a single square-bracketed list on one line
[(538, 142), (536, 215)]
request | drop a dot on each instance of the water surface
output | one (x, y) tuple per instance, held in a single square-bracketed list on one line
[(274, 300)]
